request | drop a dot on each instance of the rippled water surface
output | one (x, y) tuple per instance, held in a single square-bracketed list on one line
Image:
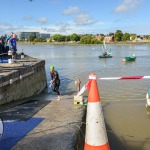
[(126, 119), (74, 62)]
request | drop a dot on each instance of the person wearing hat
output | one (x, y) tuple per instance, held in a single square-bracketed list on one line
[(55, 81)]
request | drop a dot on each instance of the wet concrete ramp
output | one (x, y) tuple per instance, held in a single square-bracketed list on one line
[(24, 111)]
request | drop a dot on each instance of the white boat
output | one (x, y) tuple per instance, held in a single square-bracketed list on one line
[(148, 98)]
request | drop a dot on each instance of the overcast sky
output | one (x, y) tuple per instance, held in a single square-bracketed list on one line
[(75, 16)]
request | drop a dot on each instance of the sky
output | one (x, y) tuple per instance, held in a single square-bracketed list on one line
[(66, 17)]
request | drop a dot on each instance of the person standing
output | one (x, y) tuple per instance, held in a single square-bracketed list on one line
[(55, 81), (13, 45)]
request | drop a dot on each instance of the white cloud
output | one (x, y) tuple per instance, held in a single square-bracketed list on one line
[(42, 20), (71, 27), (61, 28), (64, 28), (7, 28), (48, 30), (84, 19), (27, 18), (67, 29), (81, 18), (72, 10), (127, 5)]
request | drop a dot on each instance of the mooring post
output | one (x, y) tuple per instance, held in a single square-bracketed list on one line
[(78, 85)]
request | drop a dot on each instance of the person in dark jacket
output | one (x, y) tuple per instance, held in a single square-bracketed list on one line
[(55, 81)]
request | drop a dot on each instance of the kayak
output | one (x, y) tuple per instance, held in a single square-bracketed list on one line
[(106, 56)]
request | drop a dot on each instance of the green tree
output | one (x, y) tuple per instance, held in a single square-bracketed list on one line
[(67, 38), (118, 35), (95, 41), (126, 37), (37, 40), (74, 37), (138, 36), (148, 37), (51, 39), (31, 37), (102, 38), (44, 40), (133, 37), (58, 38), (87, 39)]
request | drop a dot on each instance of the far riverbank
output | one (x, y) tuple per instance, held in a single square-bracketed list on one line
[(76, 44)]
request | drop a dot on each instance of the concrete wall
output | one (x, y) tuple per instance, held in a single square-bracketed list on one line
[(25, 79)]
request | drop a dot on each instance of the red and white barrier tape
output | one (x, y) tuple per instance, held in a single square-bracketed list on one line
[(84, 88), (125, 78)]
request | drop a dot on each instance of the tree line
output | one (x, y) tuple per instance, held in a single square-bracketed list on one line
[(33, 38), (83, 39), (87, 38)]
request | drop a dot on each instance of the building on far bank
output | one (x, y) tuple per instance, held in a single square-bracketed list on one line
[(109, 38), (99, 36), (22, 36), (44, 35)]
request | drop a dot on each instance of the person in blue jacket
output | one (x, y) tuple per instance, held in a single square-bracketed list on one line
[(13, 46)]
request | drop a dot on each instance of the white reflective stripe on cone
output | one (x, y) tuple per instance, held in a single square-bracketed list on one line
[(95, 127)]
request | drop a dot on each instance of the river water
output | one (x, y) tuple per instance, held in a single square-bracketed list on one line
[(123, 102)]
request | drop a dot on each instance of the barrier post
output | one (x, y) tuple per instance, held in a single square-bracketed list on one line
[(96, 136)]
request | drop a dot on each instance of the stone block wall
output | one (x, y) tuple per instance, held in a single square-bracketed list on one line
[(24, 80)]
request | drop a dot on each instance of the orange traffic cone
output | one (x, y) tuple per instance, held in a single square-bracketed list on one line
[(96, 136)]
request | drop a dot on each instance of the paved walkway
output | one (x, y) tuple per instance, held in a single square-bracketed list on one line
[(60, 129)]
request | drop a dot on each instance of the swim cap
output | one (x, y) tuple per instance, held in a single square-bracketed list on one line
[(52, 67)]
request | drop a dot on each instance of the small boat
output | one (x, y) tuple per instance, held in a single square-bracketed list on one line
[(106, 52), (130, 58), (105, 56), (148, 98)]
